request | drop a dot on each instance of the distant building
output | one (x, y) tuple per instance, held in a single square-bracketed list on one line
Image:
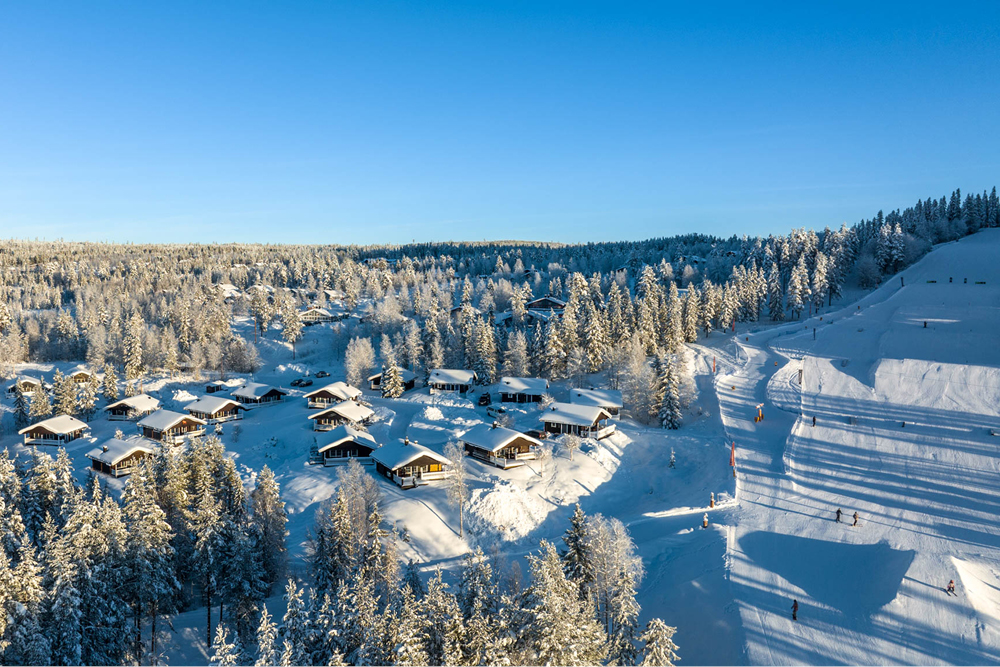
[(503, 447), (585, 421), (216, 409), (253, 393), (316, 315), (408, 464), (170, 427), (546, 303), (522, 390), (409, 380), (81, 374), (29, 385), (609, 399), (56, 430), (132, 407), (331, 394), (119, 457), (344, 443), (450, 380), (346, 412)]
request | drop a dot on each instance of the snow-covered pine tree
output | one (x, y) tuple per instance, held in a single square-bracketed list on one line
[(295, 627), (87, 399), (206, 527), (409, 644), (659, 649), (557, 628), (110, 386), (267, 512), (798, 287), (359, 359), (477, 586), (595, 340), (775, 294), (267, 635), (392, 380), (21, 409), (40, 405), (224, 652), (515, 361), (64, 390), (820, 280), (458, 488), (134, 332), (442, 621), (577, 557), (291, 324), (692, 315), (669, 382)]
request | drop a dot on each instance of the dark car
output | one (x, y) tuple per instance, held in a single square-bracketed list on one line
[(305, 382), (322, 374), (485, 398), (536, 434), (297, 382)]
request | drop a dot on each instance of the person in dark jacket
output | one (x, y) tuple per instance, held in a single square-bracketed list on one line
[(855, 518), (838, 514), (795, 610)]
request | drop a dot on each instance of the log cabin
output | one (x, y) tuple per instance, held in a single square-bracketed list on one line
[(586, 421), (82, 374), (545, 303), (56, 430), (170, 427), (253, 393), (503, 447), (332, 394), (119, 457), (345, 412), (408, 464), (132, 407), (343, 444), (609, 399), (443, 380), (522, 390), (29, 385), (316, 315), (216, 409), (409, 380)]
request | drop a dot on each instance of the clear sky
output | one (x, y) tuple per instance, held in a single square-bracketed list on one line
[(369, 122)]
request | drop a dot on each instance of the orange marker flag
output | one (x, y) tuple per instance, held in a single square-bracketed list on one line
[(732, 455)]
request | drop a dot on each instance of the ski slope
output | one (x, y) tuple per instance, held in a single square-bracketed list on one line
[(904, 413)]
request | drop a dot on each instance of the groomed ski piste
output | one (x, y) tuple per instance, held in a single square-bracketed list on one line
[(905, 389), (928, 493)]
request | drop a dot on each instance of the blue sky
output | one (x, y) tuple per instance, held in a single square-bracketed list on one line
[(376, 122)]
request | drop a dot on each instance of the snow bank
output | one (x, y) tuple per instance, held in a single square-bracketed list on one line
[(505, 511)]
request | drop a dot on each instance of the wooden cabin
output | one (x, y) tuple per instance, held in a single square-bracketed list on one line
[(56, 430), (345, 412), (343, 444), (546, 303), (171, 427), (28, 385), (316, 315), (443, 380), (332, 394), (409, 380), (253, 393), (131, 408), (119, 457), (522, 390), (81, 374), (609, 399), (408, 464), (503, 447), (586, 421), (215, 387), (216, 409)]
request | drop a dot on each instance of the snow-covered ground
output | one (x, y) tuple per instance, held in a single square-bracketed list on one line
[(927, 492), (903, 415)]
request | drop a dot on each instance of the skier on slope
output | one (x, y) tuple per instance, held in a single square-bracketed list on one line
[(855, 518), (795, 610), (814, 420), (838, 514), (951, 587)]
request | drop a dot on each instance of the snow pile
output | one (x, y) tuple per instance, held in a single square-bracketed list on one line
[(183, 396), (432, 414), (506, 511)]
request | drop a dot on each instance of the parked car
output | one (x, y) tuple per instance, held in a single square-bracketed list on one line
[(322, 374), (305, 382), (496, 411), (485, 398), (536, 434), (297, 382)]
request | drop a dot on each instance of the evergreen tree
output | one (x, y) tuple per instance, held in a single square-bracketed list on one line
[(267, 635), (268, 514), (577, 557), (820, 281), (110, 383), (669, 390), (207, 533), (134, 333), (516, 360), (392, 380), (224, 653), (291, 324), (40, 405), (64, 390), (21, 414), (87, 399), (409, 646), (775, 294), (442, 620), (413, 580), (294, 627), (659, 649), (458, 488)]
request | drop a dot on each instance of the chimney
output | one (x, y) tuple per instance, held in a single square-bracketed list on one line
[(104, 448), (406, 441), (496, 424)]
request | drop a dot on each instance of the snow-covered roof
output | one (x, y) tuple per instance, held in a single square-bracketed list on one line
[(113, 450), (397, 454), (59, 424), (339, 389), (534, 303), (211, 404), (81, 370), (529, 386), (494, 439), (575, 415), (349, 410), (345, 433), (407, 375), (254, 390), (319, 311), (451, 376), (26, 379), (602, 398), (161, 420), (139, 402)]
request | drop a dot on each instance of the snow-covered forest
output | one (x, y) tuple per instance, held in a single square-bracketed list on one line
[(92, 573)]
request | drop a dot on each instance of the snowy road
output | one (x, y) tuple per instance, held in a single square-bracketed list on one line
[(901, 438)]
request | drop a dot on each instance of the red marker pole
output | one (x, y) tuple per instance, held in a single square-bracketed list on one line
[(732, 459)]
